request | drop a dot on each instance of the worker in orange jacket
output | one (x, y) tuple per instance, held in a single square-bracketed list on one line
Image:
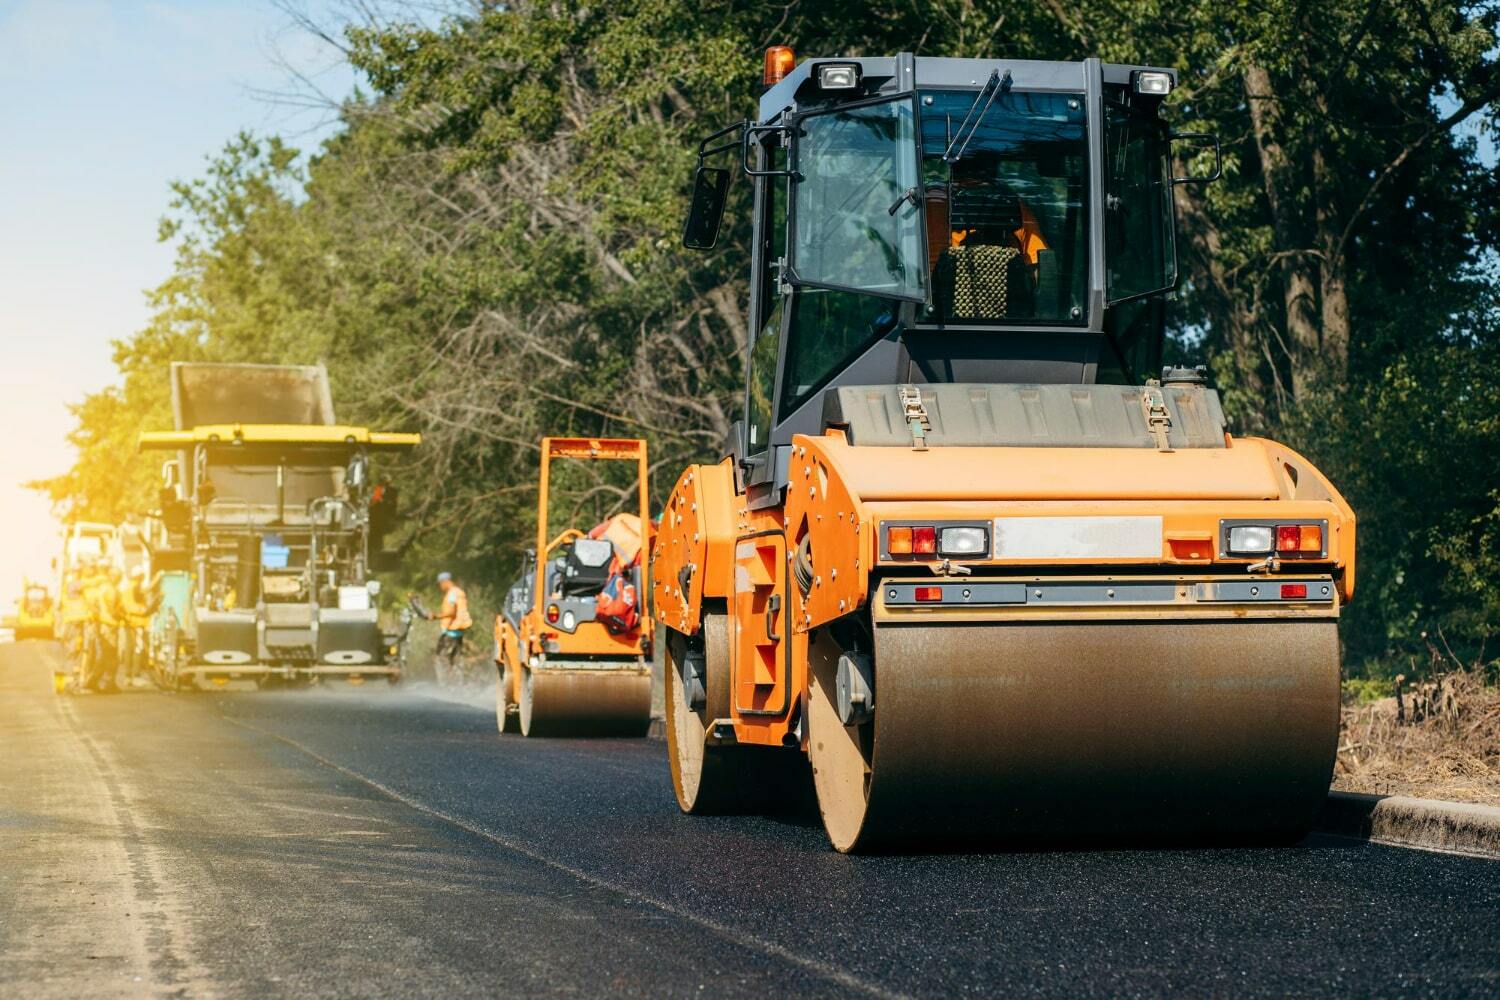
[(456, 622), (135, 605), (108, 616)]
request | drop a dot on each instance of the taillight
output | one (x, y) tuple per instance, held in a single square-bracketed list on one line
[(1297, 539), (1293, 591), (938, 539), (963, 541), (1250, 539), (552, 613), (928, 593), (898, 542)]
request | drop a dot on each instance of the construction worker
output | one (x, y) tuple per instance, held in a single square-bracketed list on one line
[(74, 622), (91, 580), (455, 620), (108, 617), (136, 603)]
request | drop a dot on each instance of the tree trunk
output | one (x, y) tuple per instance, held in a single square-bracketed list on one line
[(1226, 307), (1296, 266), (1333, 291)]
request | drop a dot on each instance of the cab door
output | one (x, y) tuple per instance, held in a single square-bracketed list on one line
[(857, 211)]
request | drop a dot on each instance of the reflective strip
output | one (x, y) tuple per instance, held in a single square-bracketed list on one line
[(1078, 537)]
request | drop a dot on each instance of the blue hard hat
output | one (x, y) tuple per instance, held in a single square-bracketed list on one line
[(444, 576)]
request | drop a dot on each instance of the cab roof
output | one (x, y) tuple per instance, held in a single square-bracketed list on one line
[(887, 75)]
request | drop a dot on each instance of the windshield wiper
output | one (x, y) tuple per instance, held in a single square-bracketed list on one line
[(992, 87)]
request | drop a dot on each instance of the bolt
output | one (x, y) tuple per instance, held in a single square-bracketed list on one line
[(1109, 593), (890, 593), (1254, 591)]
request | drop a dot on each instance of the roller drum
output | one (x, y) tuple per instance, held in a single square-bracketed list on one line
[(557, 701), (1087, 731)]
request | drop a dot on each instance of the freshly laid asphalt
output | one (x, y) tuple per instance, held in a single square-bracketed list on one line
[(379, 842)]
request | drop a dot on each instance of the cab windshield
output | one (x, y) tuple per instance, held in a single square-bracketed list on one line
[(1006, 200)]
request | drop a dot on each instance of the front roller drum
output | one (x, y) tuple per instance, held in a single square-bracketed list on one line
[(507, 716), (1077, 732), (557, 701), (712, 778)]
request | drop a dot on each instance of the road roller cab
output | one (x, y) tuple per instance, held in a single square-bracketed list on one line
[(998, 573), (572, 646)]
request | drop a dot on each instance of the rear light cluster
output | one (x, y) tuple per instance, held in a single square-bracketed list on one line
[(946, 540), (1302, 540)]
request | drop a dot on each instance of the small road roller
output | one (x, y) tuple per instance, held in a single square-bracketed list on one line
[(572, 648), (35, 613), (974, 554)]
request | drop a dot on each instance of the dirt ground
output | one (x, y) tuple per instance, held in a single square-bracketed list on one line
[(1437, 740)]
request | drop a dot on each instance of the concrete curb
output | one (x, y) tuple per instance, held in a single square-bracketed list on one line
[(1425, 824)]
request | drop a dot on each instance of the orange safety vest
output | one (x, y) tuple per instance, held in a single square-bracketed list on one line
[(455, 612)]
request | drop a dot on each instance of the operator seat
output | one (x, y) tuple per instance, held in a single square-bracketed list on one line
[(585, 568)]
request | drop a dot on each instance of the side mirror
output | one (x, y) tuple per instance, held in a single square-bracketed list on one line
[(710, 184), (355, 475), (1202, 138)]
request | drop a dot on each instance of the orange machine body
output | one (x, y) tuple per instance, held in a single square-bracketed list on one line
[(713, 547)]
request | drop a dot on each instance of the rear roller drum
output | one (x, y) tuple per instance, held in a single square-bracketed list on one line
[(714, 779), (1053, 732), (557, 701)]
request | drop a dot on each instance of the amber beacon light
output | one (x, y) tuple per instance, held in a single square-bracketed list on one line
[(780, 60)]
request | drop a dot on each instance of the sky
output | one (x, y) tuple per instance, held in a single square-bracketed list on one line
[(105, 104)]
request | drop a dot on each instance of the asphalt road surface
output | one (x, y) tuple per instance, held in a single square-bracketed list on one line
[(390, 843)]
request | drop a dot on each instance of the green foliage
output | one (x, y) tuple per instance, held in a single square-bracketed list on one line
[(1363, 690), (488, 251)]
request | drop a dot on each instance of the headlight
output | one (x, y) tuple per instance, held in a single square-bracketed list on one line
[(1156, 84), (1250, 539), (963, 541), (569, 621), (838, 76)]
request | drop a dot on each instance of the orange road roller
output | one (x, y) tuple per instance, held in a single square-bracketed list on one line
[(572, 648), (999, 575)]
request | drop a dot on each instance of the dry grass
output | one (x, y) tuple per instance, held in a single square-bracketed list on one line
[(1437, 739)]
